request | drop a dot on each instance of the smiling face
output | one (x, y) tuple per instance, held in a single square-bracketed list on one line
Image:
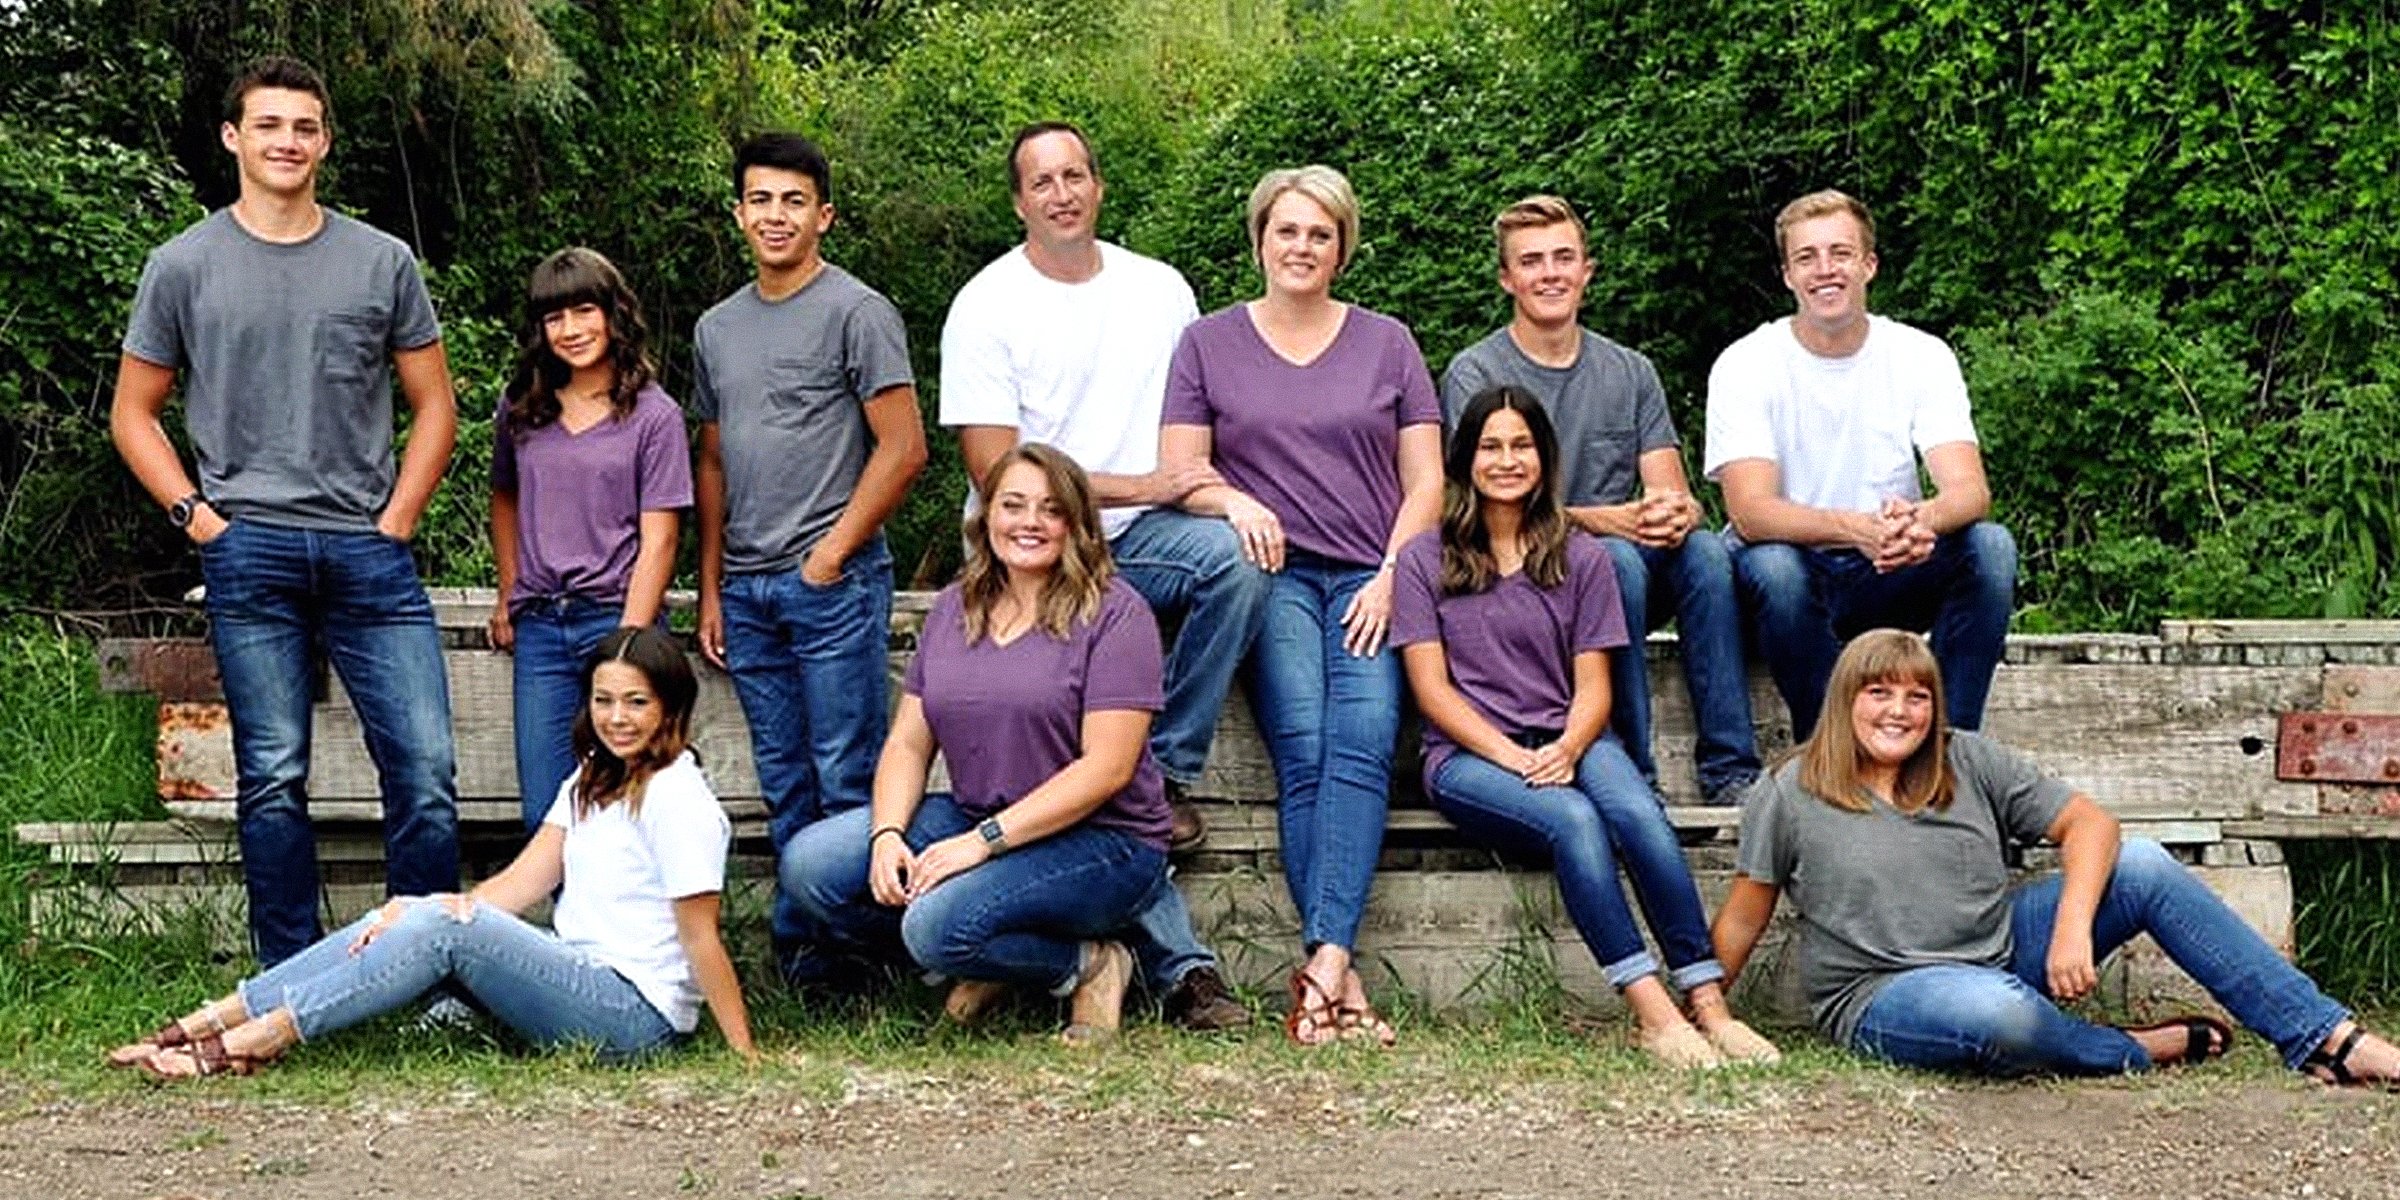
[(279, 140), (1299, 246), (1508, 462), (1544, 270), (1891, 718), (1028, 525), (626, 712), (577, 334), (1058, 193), (781, 216), (1827, 266)]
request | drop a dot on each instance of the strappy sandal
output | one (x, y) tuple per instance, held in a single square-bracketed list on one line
[(1361, 1023), (2336, 1065), (208, 1056), (2206, 1039), (169, 1036), (1323, 1016)]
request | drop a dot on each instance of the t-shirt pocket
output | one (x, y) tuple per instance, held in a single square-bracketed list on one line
[(349, 348), (1608, 470), (801, 390)]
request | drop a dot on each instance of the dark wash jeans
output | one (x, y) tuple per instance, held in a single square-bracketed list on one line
[(1807, 601), (275, 593), (1692, 585), (555, 635), (809, 665)]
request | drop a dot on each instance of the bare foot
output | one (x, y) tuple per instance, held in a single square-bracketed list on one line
[(1356, 1017), (214, 1017), (1733, 1039), (2353, 1057), (2183, 1040)]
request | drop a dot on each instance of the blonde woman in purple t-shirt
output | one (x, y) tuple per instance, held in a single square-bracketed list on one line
[(1505, 620), (589, 469), (1324, 424), (1036, 678)]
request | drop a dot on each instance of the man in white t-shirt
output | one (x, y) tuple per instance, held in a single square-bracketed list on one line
[(1816, 423), (1065, 340)]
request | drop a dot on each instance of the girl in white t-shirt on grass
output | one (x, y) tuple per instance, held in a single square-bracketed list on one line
[(634, 846)]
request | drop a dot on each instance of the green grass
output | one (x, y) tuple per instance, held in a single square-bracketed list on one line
[(2346, 908)]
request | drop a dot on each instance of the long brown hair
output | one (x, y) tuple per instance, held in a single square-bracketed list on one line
[(1468, 564), (1071, 596), (576, 276), (607, 778), (1831, 757)]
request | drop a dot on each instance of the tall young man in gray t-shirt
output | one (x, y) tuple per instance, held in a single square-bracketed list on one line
[(1621, 478), (809, 437), (288, 323)]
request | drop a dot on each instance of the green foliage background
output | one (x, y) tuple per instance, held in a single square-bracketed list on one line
[(2161, 235)]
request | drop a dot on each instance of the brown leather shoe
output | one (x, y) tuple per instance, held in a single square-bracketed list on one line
[(1202, 1003), (1185, 829)]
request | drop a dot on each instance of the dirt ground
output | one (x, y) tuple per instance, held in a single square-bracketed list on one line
[(926, 1138)]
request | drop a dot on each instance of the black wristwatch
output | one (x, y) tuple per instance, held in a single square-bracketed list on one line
[(182, 511), (995, 839)]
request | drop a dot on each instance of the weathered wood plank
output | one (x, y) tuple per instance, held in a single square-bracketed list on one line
[(2310, 828), (2265, 632)]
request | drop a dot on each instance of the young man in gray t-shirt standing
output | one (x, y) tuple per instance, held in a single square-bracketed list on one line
[(809, 438), (288, 323), (1621, 477)]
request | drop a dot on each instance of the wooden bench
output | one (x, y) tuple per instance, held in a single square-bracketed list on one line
[(2174, 733)]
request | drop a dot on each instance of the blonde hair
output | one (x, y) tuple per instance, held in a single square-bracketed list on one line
[(1534, 212), (1071, 596), (1320, 183), (1824, 204), (1831, 757)]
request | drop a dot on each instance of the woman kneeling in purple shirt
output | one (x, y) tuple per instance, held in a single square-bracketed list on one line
[(1036, 678), (1324, 425), (1505, 620)]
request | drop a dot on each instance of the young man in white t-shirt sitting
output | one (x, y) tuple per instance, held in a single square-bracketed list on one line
[(1065, 341), (1816, 423)]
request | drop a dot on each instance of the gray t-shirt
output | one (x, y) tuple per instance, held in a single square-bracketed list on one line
[(1881, 892), (286, 358), (787, 384), (1608, 407)]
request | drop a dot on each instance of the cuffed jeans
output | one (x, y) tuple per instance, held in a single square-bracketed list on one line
[(1692, 585), (1192, 567), (1329, 719), (273, 593), (1021, 918), (809, 665), (537, 985), (1583, 831), (1970, 1018), (555, 637), (1806, 601)]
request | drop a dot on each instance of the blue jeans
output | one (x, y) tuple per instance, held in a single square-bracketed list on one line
[(1694, 588), (1968, 1018), (1806, 601), (1192, 567), (1329, 719), (531, 981), (554, 638), (1021, 918), (273, 594), (1582, 831), (809, 665)]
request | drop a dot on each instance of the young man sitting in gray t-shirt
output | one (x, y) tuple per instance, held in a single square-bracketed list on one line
[(288, 323), (1621, 478), (809, 438)]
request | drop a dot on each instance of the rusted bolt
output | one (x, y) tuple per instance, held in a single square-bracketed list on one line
[(2308, 766), (2308, 727), (2350, 689), (2349, 728), (2391, 768)]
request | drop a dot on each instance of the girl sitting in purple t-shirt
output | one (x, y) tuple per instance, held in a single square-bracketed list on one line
[(1505, 620), (1035, 677), (1324, 424), (589, 467)]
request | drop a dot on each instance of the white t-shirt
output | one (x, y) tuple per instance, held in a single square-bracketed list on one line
[(1845, 431), (1081, 367), (623, 876)]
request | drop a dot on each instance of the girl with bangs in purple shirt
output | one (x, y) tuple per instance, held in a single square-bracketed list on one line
[(589, 468), (1036, 678), (1324, 423), (1505, 619)]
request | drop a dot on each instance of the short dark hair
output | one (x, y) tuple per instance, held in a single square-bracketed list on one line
[(1016, 177), (788, 151), (275, 71)]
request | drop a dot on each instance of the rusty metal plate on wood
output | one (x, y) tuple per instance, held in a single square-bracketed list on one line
[(176, 670), (2318, 747)]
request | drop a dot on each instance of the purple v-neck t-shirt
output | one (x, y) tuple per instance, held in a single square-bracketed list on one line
[(581, 495), (1511, 650), (1318, 444), (1007, 718)]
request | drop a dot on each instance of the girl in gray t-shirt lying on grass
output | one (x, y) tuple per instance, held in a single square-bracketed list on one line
[(1888, 830)]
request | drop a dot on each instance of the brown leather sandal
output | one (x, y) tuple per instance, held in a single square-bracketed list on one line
[(169, 1036), (208, 1056), (1323, 1016)]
